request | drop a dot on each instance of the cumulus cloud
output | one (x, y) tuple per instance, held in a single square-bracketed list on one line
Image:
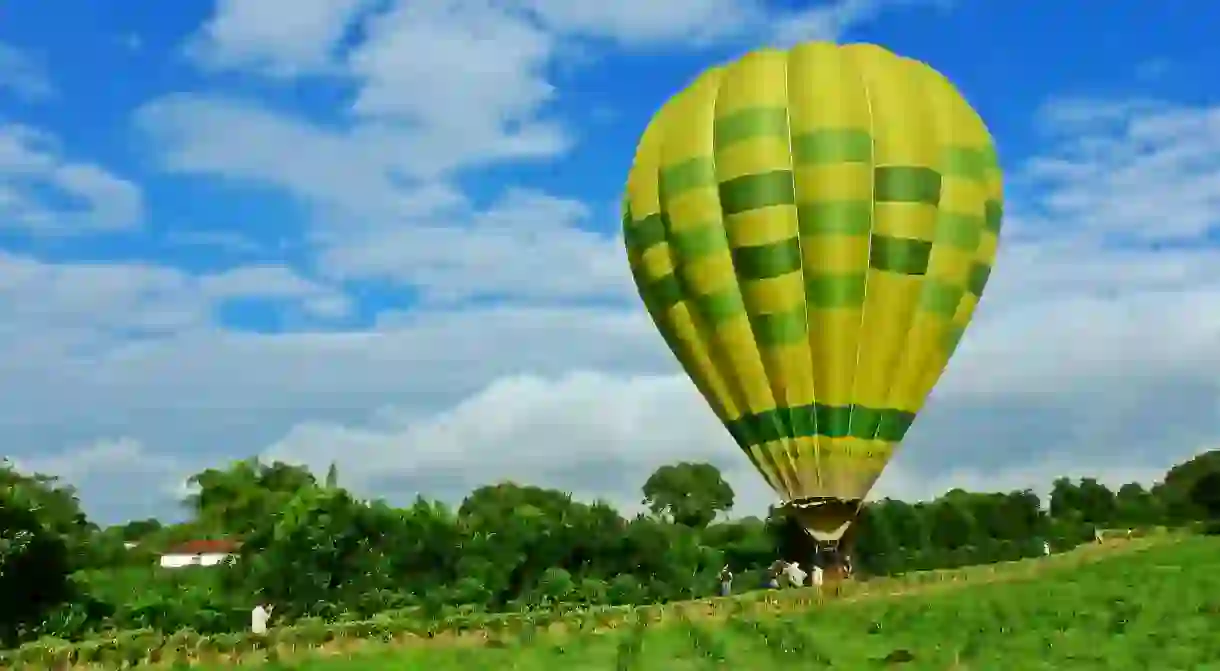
[(1090, 356), (43, 191), (280, 39), (1094, 352), (93, 469), (527, 246), (437, 89)]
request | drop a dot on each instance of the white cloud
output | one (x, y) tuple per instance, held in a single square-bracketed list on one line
[(438, 88), (273, 282), (600, 435), (49, 309), (280, 39), (1089, 355), (528, 246), (1087, 358), (1142, 170), (24, 75), (42, 191), (636, 22), (94, 468)]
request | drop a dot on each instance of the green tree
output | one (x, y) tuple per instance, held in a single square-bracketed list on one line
[(1136, 506), (320, 554), (1065, 498), (1096, 504), (35, 563), (1176, 488), (953, 524), (877, 549), (690, 494), (1205, 496), (236, 500), (59, 508), (138, 530)]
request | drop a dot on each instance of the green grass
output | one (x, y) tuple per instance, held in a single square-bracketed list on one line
[(1156, 608)]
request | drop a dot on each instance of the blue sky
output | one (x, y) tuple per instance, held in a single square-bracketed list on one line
[(386, 235)]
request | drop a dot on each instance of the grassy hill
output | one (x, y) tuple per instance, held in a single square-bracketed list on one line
[(1138, 605)]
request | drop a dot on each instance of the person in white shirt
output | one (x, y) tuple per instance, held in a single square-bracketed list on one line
[(1046, 548), (796, 577), (259, 617), (815, 576)]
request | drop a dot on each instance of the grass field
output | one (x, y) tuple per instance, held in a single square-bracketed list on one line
[(1153, 605)]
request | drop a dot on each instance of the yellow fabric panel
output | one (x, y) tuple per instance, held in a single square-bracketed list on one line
[(792, 364), (737, 341), (958, 195), (755, 80), (687, 129), (693, 209), (826, 91), (656, 261), (833, 336), (915, 221), (834, 254), (692, 354), (988, 246), (888, 309), (808, 472), (710, 274), (762, 226), (899, 112), (953, 125), (751, 157), (682, 121), (838, 102), (902, 136), (775, 294), (849, 466), (690, 345), (835, 182)]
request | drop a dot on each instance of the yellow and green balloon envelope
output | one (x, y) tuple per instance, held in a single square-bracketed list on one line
[(811, 231)]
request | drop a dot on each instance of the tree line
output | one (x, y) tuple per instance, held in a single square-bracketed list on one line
[(315, 550)]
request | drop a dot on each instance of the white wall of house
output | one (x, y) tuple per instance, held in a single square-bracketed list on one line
[(181, 560)]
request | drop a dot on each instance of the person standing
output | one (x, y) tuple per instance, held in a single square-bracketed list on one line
[(796, 576), (775, 573), (259, 617), (816, 576), (726, 581)]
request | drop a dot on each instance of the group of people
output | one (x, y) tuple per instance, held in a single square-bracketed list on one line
[(784, 573)]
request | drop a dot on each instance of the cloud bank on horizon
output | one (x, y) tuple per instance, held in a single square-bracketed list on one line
[(385, 234)]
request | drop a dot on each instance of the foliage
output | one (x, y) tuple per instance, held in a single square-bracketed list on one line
[(989, 615), (34, 562), (324, 557), (688, 493)]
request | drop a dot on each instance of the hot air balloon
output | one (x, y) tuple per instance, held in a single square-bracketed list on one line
[(810, 231)]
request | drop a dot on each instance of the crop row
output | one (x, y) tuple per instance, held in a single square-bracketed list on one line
[(132, 648)]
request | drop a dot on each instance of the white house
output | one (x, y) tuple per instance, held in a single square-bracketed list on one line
[(199, 553)]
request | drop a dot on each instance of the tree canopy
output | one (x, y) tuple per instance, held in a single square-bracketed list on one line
[(317, 550), (690, 494)]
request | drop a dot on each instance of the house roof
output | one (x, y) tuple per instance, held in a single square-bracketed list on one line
[(199, 547)]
